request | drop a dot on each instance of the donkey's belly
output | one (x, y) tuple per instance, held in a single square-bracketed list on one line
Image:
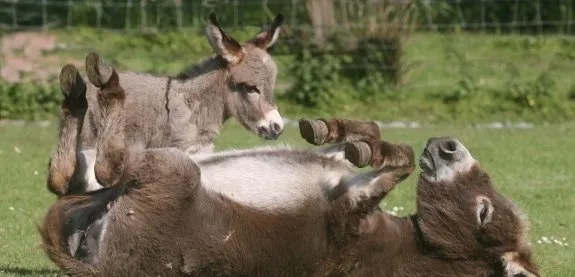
[(254, 178), (269, 183)]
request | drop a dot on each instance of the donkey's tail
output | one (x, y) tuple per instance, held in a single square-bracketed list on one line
[(55, 239), (71, 214), (98, 70)]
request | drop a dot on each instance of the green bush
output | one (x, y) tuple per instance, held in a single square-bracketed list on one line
[(538, 96), (29, 101), (316, 76), (333, 74)]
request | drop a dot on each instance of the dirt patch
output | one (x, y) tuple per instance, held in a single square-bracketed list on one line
[(31, 57)]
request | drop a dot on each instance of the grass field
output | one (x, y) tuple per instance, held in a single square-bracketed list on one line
[(532, 166)]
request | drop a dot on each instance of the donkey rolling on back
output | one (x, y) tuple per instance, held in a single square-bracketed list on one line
[(283, 212), (185, 112)]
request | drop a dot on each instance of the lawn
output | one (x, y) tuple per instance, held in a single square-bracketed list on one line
[(532, 166)]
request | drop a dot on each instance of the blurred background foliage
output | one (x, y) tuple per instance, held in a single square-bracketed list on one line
[(432, 60)]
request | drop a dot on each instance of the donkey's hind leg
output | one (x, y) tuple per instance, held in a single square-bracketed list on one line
[(117, 162), (62, 164), (111, 153)]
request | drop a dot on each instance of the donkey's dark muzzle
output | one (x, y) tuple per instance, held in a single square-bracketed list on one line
[(271, 132)]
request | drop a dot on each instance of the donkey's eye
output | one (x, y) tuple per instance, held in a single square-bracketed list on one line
[(483, 214), (484, 210), (245, 88)]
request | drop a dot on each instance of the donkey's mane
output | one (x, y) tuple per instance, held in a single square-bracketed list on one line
[(207, 65)]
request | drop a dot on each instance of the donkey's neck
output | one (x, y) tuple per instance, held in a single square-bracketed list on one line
[(203, 87), (205, 84)]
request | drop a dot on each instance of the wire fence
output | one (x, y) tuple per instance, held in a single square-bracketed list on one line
[(360, 25), (531, 16)]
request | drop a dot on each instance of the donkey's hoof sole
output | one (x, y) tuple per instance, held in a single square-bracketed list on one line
[(98, 70), (71, 83), (313, 131), (358, 153)]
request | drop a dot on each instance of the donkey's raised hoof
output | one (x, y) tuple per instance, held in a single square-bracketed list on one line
[(98, 70), (71, 83), (322, 131), (358, 153), (111, 92), (73, 88), (313, 131), (379, 153)]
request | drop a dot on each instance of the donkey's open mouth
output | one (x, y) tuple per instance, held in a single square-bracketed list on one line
[(426, 162)]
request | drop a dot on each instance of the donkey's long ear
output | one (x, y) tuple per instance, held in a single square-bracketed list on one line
[(223, 44), (268, 37)]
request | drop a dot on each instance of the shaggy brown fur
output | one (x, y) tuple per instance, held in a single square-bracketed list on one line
[(442, 239), (156, 219)]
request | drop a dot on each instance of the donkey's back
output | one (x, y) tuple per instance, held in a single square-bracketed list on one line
[(150, 102)]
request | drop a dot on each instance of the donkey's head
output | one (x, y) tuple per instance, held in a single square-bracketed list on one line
[(251, 78), (462, 216)]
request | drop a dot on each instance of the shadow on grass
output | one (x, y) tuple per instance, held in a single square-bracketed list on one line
[(20, 271)]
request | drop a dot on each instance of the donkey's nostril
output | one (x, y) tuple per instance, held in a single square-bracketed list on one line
[(276, 127), (262, 131), (449, 149), (448, 146)]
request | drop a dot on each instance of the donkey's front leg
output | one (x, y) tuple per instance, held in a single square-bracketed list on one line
[(343, 134), (362, 193), (62, 164), (357, 196)]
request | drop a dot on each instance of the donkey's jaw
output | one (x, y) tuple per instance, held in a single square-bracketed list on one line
[(271, 126)]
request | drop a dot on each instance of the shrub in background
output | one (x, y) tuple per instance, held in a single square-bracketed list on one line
[(30, 101), (357, 61)]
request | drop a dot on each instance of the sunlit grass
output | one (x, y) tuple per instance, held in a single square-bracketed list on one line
[(532, 166)]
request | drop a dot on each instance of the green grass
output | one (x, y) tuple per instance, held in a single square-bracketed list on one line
[(532, 166), (435, 60), (439, 65), (438, 60)]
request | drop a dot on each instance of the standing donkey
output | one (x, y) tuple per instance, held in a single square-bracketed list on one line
[(283, 212), (185, 112)]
